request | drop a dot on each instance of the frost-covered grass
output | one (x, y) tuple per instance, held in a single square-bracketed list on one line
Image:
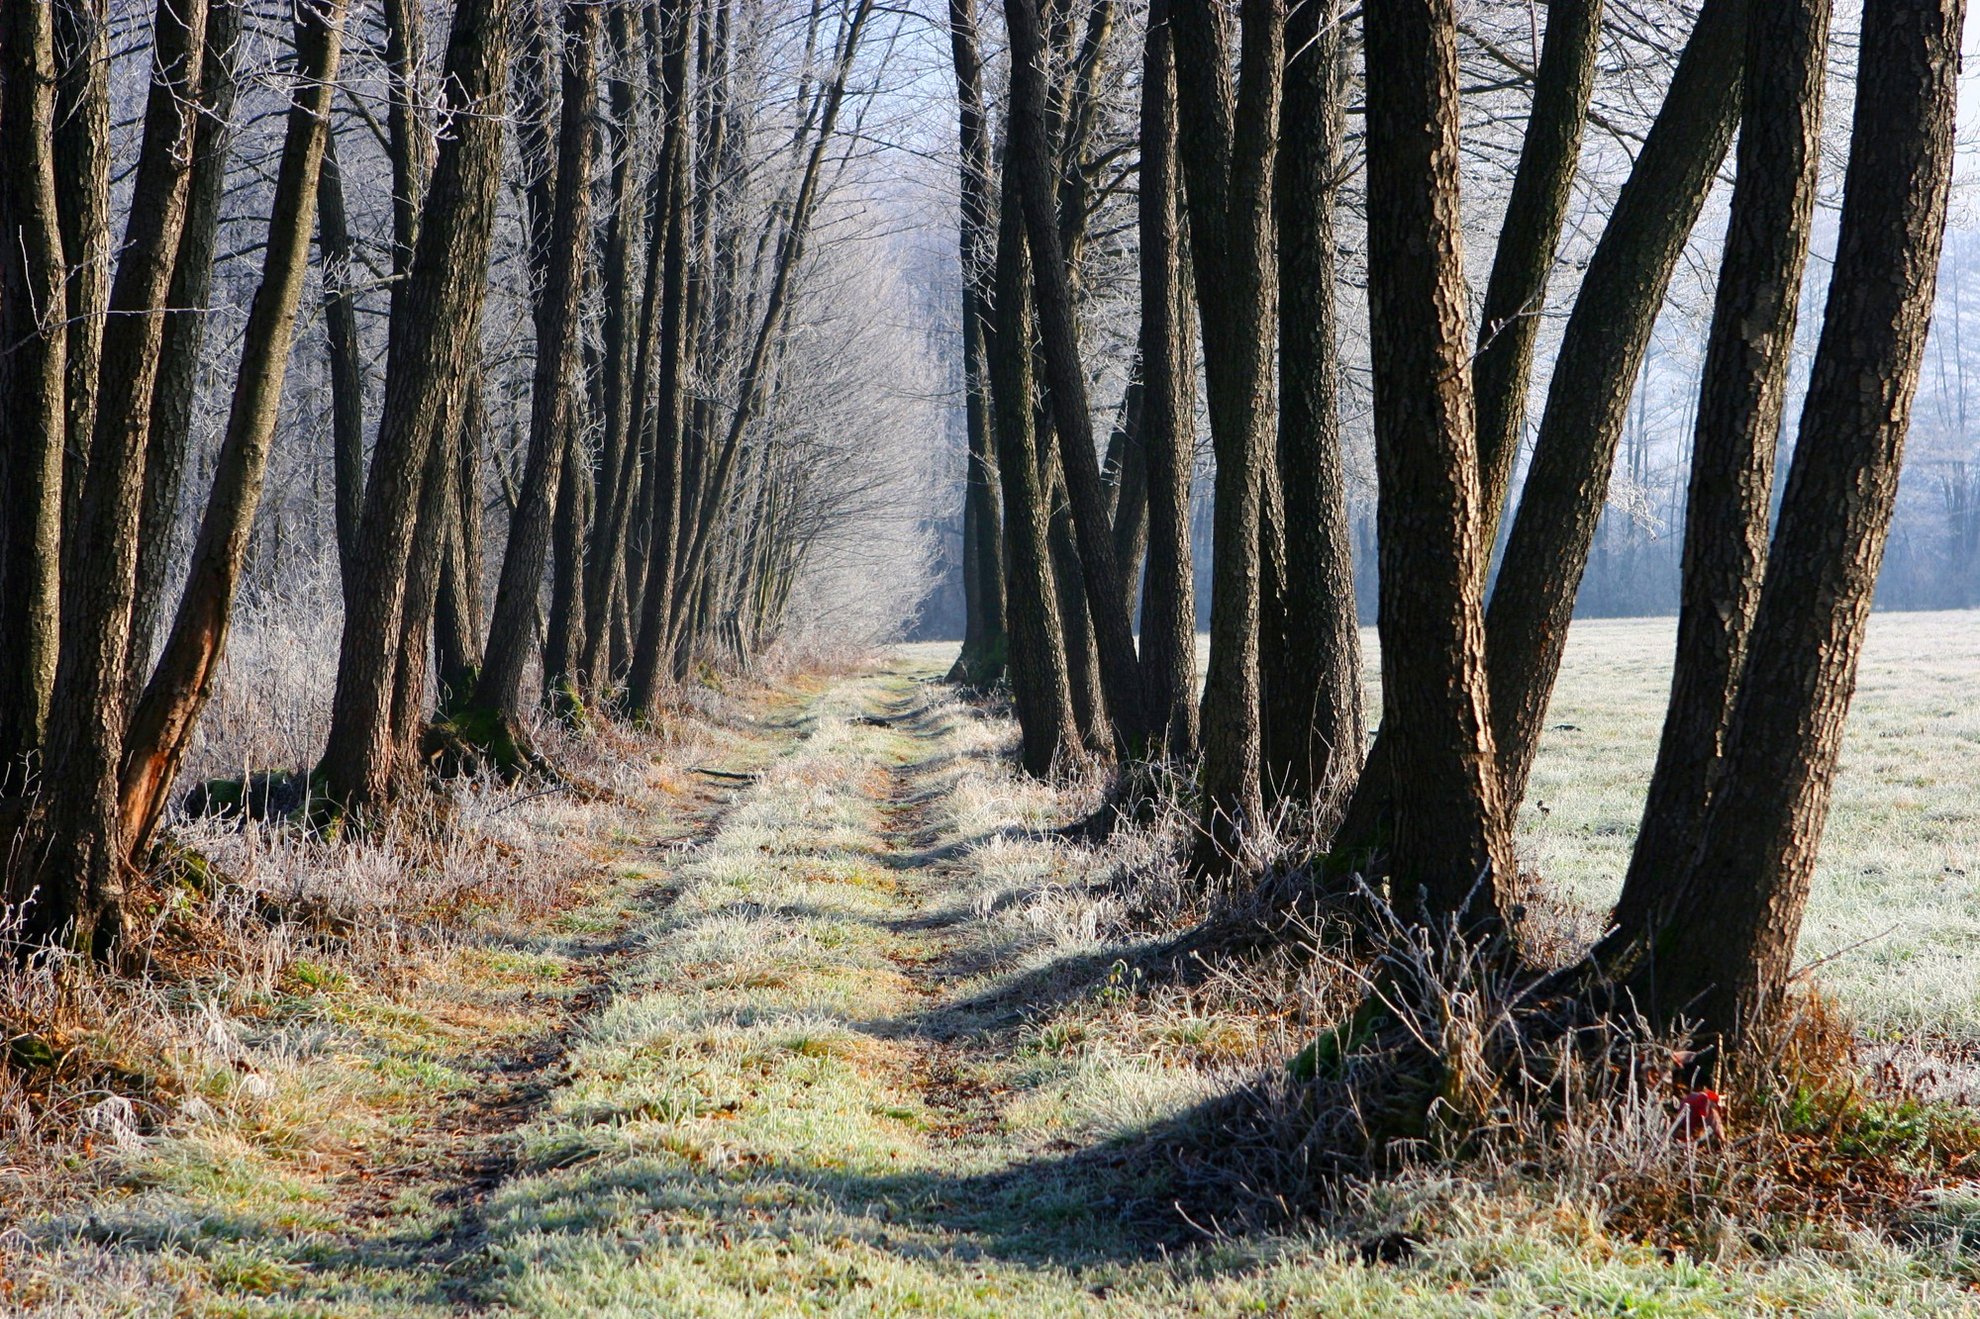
[(1897, 888)]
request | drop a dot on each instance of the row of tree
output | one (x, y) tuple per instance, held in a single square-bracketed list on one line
[(670, 160), (1244, 156)]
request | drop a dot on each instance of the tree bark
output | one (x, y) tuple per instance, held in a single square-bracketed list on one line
[(984, 643), (425, 369), (1168, 411), (185, 333), (1529, 236), (168, 713), (1451, 834), (1040, 684), (1732, 456), (82, 200), (663, 335), (78, 855), (1027, 156), (1726, 956), (346, 364), (1314, 727), (1228, 144), (499, 689), (33, 313), (457, 612), (1594, 375)]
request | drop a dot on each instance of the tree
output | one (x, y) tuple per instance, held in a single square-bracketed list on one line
[(1313, 726), (1451, 830), (72, 875), (1732, 455), (436, 338), (560, 246), (1724, 952), (1027, 160), (167, 714), (984, 642), (1227, 139), (1168, 406)]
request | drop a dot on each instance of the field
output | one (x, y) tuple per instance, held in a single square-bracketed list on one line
[(816, 1013)]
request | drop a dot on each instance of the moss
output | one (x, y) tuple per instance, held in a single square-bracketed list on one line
[(262, 795)]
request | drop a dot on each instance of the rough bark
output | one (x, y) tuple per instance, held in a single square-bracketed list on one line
[(33, 310), (1450, 825), (78, 853), (1028, 158), (1227, 141), (1529, 236), (1595, 373), (1168, 409), (166, 716), (82, 199), (1725, 957), (426, 366), (457, 611), (1314, 727), (1741, 396)]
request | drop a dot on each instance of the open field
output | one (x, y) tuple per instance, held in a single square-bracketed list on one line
[(1897, 893)]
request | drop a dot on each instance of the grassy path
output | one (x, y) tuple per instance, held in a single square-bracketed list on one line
[(857, 1049)]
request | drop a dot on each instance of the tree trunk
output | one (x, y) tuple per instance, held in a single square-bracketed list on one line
[(168, 713), (1594, 375), (1732, 454), (1228, 145), (346, 363), (617, 468), (663, 333), (1588, 399), (1027, 157), (984, 641), (1168, 411), (1451, 830), (1726, 960), (1040, 684), (499, 689), (185, 332), (79, 852), (457, 620), (1516, 293), (428, 362), (33, 313), (1313, 722), (82, 200)]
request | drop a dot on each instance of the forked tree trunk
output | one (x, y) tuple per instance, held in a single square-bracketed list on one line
[(1594, 374), (567, 250), (457, 611), (1168, 411), (1314, 728), (1228, 145), (33, 312), (1028, 158), (78, 854), (1725, 957), (168, 713), (1732, 456), (1450, 824), (429, 360)]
